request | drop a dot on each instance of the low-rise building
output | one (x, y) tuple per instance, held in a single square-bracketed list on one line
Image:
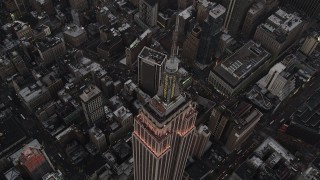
[(269, 161), (34, 95)]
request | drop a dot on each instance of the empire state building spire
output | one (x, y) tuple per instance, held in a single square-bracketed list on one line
[(169, 89)]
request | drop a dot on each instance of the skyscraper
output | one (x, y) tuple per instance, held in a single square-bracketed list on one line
[(148, 12), (91, 100), (211, 30), (236, 12), (163, 130), (150, 67)]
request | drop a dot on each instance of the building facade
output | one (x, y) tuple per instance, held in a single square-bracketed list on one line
[(148, 12), (310, 44), (236, 12), (279, 31), (75, 35), (200, 141), (150, 67), (91, 100), (51, 49)]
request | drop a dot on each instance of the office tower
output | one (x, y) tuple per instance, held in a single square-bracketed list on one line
[(200, 141), (202, 8), (310, 7), (310, 44), (148, 12), (191, 45), (91, 100), (79, 4), (186, 19), (75, 35), (98, 77), (232, 123), (50, 49), (253, 18), (209, 37), (239, 69), (135, 48), (98, 138), (279, 81), (217, 122), (240, 128), (279, 31), (256, 14), (236, 12), (163, 130), (150, 67), (34, 162)]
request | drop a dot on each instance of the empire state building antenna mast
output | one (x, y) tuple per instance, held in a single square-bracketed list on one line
[(174, 49)]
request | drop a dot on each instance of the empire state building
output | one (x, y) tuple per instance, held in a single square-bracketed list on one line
[(163, 130)]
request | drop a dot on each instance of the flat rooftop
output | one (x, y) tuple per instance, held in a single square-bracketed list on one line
[(217, 11), (152, 56), (308, 114), (89, 93), (48, 43), (242, 63), (186, 13), (31, 92), (74, 30), (281, 23), (15, 156)]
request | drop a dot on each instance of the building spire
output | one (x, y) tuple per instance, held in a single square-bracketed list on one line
[(169, 89)]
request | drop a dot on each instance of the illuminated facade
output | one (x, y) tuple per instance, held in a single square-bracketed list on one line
[(164, 129)]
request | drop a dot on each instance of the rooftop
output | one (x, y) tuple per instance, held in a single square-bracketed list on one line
[(242, 63), (307, 115), (122, 113), (96, 132), (48, 43), (29, 93), (270, 161), (255, 8), (89, 93), (152, 56), (74, 30), (217, 11), (281, 23), (186, 13), (15, 156)]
